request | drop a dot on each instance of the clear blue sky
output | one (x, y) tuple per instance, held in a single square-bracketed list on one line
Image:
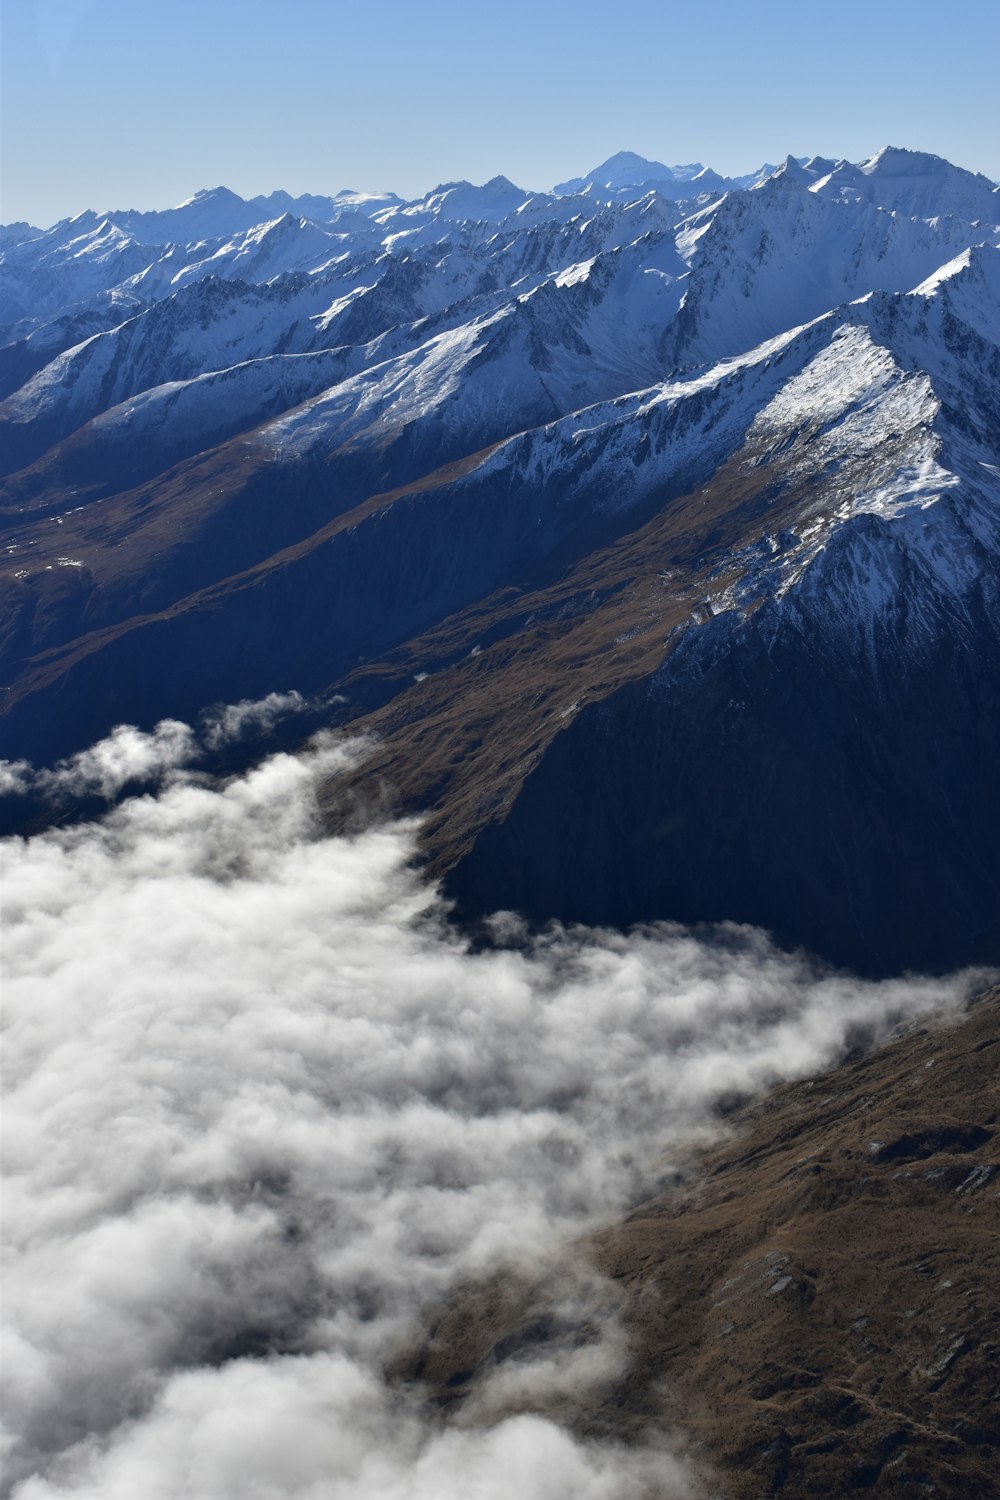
[(138, 103)]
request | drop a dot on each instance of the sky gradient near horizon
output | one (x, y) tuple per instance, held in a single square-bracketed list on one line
[(112, 104)]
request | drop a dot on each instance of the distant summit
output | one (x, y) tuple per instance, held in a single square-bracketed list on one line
[(626, 169), (626, 174)]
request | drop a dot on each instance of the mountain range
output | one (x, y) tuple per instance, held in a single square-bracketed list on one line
[(648, 526)]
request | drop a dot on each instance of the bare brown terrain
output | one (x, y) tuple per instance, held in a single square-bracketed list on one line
[(462, 729), (815, 1309)]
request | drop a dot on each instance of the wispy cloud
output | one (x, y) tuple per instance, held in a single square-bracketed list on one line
[(129, 756), (231, 722), (57, 24), (263, 1106)]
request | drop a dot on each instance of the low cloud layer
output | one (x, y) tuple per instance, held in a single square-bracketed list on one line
[(263, 1106), (129, 756)]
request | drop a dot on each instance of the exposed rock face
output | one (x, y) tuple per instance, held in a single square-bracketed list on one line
[(817, 1307)]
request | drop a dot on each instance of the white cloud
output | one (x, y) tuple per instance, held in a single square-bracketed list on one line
[(128, 756), (16, 777), (263, 1105), (260, 715)]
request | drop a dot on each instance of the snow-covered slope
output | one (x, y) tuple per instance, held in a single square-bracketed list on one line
[(612, 295), (80, 258), (321, 208), (915, 184), (212, 213)]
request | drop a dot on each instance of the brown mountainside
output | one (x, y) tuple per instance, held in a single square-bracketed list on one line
[(817, 1307)]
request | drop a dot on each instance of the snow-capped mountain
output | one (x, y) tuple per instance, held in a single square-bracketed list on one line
[(627, 170), (915, 184), (624, 173), (659, 495)]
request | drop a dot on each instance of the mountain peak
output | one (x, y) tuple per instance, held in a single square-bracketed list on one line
[(626, 169), (791, 170), (901, 162), (214, 195), (627, 161)]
